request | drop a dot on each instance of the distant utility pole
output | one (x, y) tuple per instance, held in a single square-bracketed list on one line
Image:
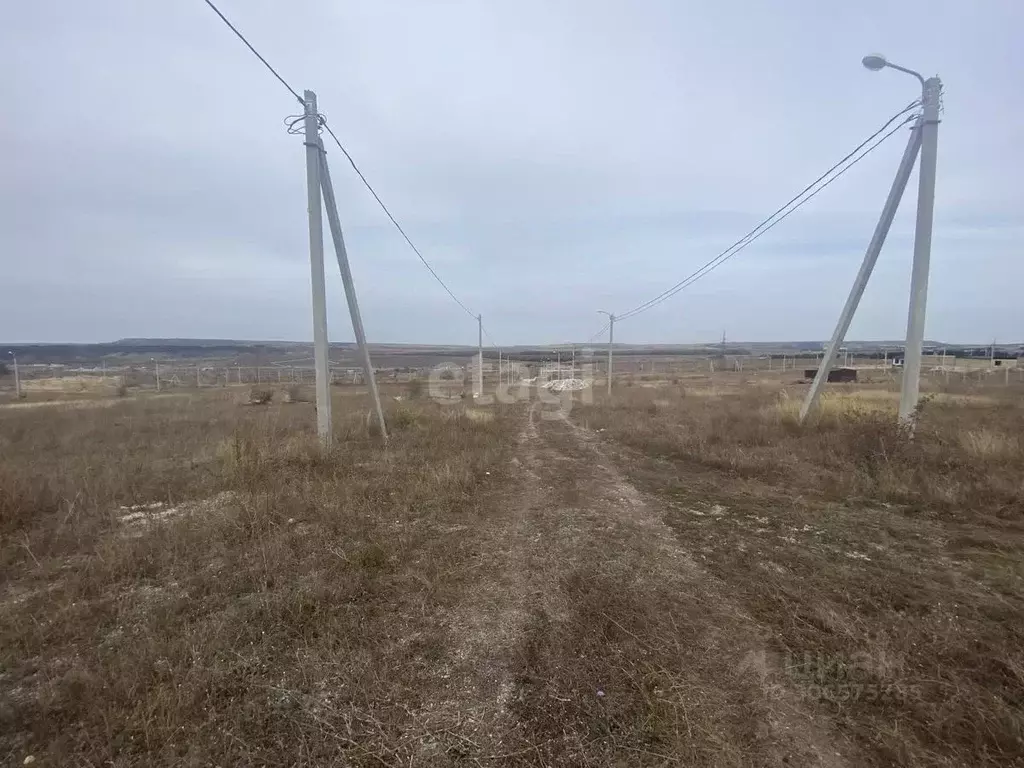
[(156, 370), (350, 290), (17, 376), (316, 268), (199, 382), (480, 356), (923, 139), (611, 342)]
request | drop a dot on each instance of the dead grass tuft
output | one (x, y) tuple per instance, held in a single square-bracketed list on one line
[(987, 443)]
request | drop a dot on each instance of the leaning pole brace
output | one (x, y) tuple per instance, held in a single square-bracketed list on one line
[(892, 203), (350, 288)]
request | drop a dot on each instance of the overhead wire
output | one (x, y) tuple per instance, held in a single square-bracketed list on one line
[(292, 128), (256, 53), (394, 221), (793, 204), (775, 218), (605, 328)]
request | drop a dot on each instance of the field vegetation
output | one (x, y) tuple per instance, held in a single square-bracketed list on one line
[(680, 575), (887, 572)]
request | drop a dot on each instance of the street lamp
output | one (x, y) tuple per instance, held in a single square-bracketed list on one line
[(611, 338), (923, 139), (931, 93), (876, 62)]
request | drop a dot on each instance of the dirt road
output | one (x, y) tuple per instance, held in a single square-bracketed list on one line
[(590, 636)]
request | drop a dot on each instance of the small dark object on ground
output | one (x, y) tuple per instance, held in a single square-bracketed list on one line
[(835, 375)]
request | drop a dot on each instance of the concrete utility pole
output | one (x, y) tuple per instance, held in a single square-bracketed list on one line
[(931, 94), (908, 398), (316, 268), (156, 370), (611, 342), (480, 356), (350, 290), (17, 376), (199, 382)]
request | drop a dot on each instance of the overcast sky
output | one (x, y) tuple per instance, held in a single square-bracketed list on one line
[(550, 157)]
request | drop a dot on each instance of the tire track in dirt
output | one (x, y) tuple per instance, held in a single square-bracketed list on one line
[(634, 535), (467, 716), (588, 636)]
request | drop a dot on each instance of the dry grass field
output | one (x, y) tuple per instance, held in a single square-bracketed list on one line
[(680, 576), (886, 574)]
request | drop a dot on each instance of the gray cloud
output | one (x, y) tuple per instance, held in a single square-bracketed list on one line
[(549, 158)]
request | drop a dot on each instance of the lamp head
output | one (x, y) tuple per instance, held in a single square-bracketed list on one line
[(874, 62)]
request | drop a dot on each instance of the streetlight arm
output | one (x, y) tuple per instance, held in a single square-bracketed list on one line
[(908, 71)]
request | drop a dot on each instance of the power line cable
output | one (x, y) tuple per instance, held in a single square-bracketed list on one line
[(348, 156), (394, 221), (256, 53), (594, 337), (725, 256), (780, 214)]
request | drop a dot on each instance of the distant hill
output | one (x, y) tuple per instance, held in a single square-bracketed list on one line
[(143, 342), (249, 352)]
